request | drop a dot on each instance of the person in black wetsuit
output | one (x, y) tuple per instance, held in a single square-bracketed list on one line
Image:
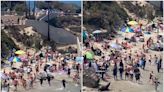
[(63, 82)]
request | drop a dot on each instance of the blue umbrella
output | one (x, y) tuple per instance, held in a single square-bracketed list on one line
[(127, 29), (123, 29), (79, 59), (11, 59), (14, 59)]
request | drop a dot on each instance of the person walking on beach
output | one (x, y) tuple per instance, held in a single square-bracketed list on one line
[(63, 83), (69, 72), (156, 84), (41, 80), (49, 80)]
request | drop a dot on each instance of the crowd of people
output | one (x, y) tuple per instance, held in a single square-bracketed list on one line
[(39, 67), (129, 61)]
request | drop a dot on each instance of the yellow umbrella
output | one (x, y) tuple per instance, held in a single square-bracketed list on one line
[(20, 52), (132, 23)]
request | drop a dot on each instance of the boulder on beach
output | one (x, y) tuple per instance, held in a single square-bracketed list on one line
[(90, 78)]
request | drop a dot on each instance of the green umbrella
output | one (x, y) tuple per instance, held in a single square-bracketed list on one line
[(89, 55)]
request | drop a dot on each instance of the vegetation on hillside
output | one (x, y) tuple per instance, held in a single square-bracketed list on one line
[(18, 6), (7, 44), (58, 5), (65, 21), (110, 15), (140, 11), (104, 15)]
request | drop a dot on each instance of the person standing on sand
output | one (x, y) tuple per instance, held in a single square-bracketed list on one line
[(115, 71), (24, 83), (150, 59), (144, 63), (69, 72), (159, 62), (137, 74), (131, 74), (31, 80), (121, 69), (126, 72), (15, 83), (156, 59), (41, 80)]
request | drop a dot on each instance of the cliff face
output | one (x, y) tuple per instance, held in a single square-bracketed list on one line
[(109, 15), (103, 15)]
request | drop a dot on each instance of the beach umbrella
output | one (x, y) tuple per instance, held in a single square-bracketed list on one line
[(97, 32), (85, 35), (115, 46), (132, 23), (89, 55), (127, 29), (79, 59), (11, 59), (14, 59), (20, 52)]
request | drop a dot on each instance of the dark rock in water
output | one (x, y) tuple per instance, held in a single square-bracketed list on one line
[(90, 79)]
